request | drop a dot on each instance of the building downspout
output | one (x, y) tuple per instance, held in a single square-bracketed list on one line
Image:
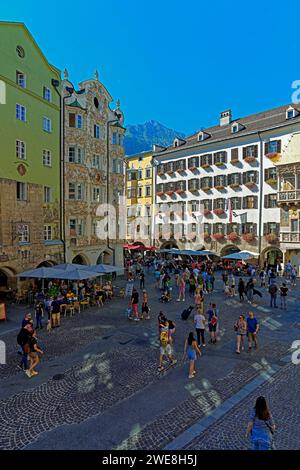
[(261, 186)]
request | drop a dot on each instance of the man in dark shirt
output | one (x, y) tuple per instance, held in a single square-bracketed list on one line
[(252, 330), (283, 295), (55, 313), (23, 339), (273, 295)]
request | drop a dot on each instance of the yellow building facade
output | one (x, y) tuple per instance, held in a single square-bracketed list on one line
[(140, 198)]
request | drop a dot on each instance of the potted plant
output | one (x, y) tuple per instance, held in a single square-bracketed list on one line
[(206, 188), (250, 159), (248, 237), (232, 237), (234, 185), (250, 184), (218, 236), (272, 181), (220, 164), (205, 165), (219, 187), (274, 156), (218, 211), (271, 238), (234, 161)]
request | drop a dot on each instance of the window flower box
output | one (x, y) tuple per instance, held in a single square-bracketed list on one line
[(219, 211), (250, 184), (205, 165), (220, 187), (234, 185), (206, 189), (220, 164), (248, 237), (160, 172), (218, 236), (170, 172), (272, 181), (193, 190), (274, 156), (180, 191), (250, 159), (180, 170), (160, 193), (206, 236), (232, 237), (272, 238), (235, 161), (192, 168), (207, 212), (170, 193)]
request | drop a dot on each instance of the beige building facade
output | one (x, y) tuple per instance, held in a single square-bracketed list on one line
[(93, 172)]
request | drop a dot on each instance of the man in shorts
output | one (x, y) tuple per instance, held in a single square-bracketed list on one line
[(165, 346), (55, 312), (252, 330)]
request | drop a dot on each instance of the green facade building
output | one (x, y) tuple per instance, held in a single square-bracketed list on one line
[(30, 232)]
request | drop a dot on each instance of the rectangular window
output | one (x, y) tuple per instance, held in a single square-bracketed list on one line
[(72, 226), (119, 139), (236, 203), (206, 160), (72, 120), (140, 192), (47, 232), (20, 150), (79, 155), (79, 121), (20, 112), (251, 151), (21, 191), (80, 231), (114, 165), (96, 131), (148, 172), (250, 202), (148, 190), (47, 158), (140, 174), (72, 154), (21, 79), (47, 124), (23, 232), (220, 181), (47, 194), (79, 192), (96, 161), (114, 138), (220, 158), (47, 94), (294, 225), (96, 195), (72, 192)]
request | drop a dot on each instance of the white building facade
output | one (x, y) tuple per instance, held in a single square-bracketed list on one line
[(218, 188)]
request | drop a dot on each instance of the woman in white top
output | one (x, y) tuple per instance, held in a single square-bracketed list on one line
[(199, 321)]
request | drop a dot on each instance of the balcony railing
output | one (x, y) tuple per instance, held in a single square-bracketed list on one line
[(286, 196), (290, 237)]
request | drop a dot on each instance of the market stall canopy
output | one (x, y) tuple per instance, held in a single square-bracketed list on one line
[(97, 268), (176, 251), (54, 272), (241, 255)]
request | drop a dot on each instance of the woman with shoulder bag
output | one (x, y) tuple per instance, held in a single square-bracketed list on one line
[(240, 327), (261, 426)]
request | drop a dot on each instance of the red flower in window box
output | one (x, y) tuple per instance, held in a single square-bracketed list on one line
[(250, 184), (272, 238), (250, 159), (218, 236), (207, 212), (274, 156), (232, 237), (192, 168), (170, 193), (160, 193), (180, 191), (218, 211), (181, 170), (249, 237), (234, 161), (170, 172)]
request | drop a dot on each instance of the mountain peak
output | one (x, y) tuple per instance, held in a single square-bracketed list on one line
[(141, 137)]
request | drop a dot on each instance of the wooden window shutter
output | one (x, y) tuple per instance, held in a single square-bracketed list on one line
[(255, 150), (278, 146), (256, 177), (255, 202), (265, 228), (244, 202), (244, 152), (244, 178), (234, 154), (266, 201), (266, 148), (229, 179), (255, 229)]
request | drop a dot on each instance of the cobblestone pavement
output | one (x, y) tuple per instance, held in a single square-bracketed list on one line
[(106, 359)]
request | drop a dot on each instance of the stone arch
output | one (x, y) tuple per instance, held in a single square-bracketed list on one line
[(80, 259), (7, 276), (46, 264), (168, 245), (105, 257), (228, 249), (270, 255)]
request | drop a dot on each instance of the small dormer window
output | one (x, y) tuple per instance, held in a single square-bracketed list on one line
[(290, 113), (234, 128), (176, 143)]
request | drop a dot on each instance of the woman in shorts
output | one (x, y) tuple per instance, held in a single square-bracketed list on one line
[(241, 330), (191, 351)]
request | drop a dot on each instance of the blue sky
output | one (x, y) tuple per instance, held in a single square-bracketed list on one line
[(179, 62)]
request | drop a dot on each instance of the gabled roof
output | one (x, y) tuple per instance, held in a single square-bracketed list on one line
[(20, 25), (262, 121), (76, 104)]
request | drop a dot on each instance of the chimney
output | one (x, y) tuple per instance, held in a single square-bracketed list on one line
[(225, 117)]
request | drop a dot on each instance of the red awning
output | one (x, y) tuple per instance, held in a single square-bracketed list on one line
[(134, 247)]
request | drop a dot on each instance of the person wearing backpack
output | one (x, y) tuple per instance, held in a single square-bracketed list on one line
[(261, 426), (165, 346), (273, 295), (212, 323), (191, 350), (172, 329)]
